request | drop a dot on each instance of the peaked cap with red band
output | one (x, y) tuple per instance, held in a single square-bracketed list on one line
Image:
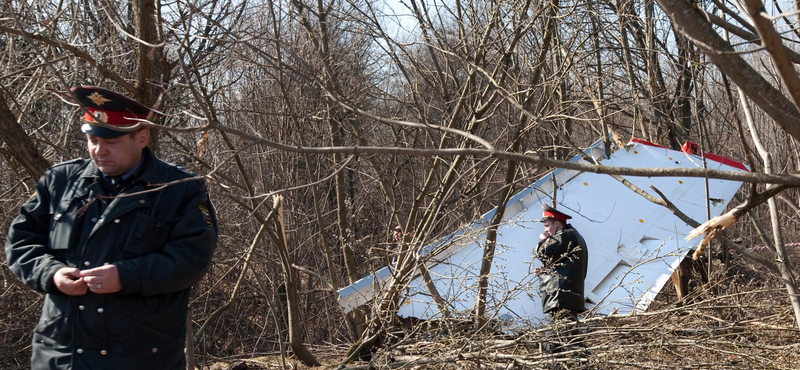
[(550, 212), (108, 107)]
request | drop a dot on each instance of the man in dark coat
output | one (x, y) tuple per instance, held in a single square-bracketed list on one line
[(116, 243), (564, 257)]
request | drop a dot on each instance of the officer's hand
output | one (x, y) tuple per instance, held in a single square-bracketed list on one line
[(103, 279), (69, 281)]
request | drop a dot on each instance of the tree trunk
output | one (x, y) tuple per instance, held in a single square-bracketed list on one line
[(290, 279), (783, 260), (20, 146), (655, 78), (149, 57), (491, 243)]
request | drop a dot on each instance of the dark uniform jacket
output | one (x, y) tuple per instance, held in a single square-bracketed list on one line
[(161, 243), (564, 257)]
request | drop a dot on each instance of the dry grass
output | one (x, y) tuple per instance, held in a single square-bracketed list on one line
[(742, 320)]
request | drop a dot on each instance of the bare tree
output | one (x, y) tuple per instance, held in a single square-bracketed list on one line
[(363, 121)]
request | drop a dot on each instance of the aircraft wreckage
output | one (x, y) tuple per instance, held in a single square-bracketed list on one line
[(634, 245)]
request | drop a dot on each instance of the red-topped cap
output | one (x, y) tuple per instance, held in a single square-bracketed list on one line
[(552, 213), (110, 108)]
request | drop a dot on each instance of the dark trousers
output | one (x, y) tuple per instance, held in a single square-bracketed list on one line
[(563, 335)]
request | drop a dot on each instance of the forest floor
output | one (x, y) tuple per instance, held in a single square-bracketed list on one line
[(742, 319)]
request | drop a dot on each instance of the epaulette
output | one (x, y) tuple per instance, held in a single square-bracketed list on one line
[(70, 167), (184, 170), (65, 171), (72, 161)]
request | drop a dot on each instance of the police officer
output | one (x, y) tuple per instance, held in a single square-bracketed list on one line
[(115, 249), (564, 257)]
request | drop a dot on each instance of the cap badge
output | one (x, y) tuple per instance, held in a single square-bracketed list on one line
[(101, 117), (98, 99)]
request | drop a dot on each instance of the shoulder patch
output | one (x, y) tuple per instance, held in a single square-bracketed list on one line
[(206, 215)]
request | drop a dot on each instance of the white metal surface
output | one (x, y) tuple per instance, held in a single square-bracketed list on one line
[(634, 245)]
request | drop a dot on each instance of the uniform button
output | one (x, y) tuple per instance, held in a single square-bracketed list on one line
[(57, 216), (81, 307), (100, 221), (80, 350), (87, 263), (116, 221), (141, 201), (155, 350), (106, 263), (100, 310), (94, 219), (103, 352)]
